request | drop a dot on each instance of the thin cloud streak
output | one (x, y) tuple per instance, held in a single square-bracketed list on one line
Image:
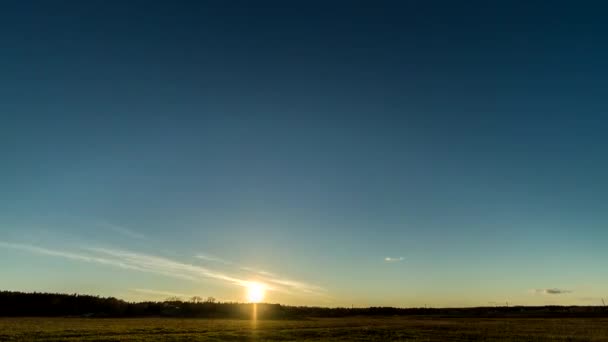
[(67, 255), (167, 267), (212, 258), (124, 231), (256, 271), (295, 285), (285, 285), (174, 268)]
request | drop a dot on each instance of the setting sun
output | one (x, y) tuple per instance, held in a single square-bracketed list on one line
[(255, 292)]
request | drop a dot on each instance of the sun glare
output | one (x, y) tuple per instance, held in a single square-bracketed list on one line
[(255, 292)]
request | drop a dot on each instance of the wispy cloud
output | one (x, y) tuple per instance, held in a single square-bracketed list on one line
[(287, 285), (123, 231), (553, 291), (391, 259), (67, 255), (167, 267), (212, 258), (256, 271), (273, 280)]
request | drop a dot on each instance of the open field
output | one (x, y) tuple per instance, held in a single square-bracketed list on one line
[(314, 329)]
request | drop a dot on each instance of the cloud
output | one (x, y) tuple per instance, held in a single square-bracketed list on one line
[(552, 291), (123, 230), (287, 285), (170, 268), (177, 269), (212, 258), (260, 272), (67, 255), (390, 259), (280, 284)]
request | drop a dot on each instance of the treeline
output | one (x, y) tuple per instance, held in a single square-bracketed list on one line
[(52, 304)]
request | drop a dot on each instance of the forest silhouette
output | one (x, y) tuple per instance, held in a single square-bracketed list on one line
[(20, 304)]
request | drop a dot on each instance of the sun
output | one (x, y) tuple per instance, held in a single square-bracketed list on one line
[(255, 292)]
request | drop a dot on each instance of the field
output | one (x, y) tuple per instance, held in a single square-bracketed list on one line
[(325, 329)]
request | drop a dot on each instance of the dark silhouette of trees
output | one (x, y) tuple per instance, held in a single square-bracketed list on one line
[(52, 304)]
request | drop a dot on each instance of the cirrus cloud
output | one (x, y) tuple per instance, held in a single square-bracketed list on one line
[(164, 266)]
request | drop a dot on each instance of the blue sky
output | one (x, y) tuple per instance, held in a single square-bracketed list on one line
[(157, 148)]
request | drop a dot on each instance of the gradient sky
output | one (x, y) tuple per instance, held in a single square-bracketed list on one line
[(344, 153)]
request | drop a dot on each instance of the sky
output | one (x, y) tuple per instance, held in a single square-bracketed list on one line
[(398, 153)]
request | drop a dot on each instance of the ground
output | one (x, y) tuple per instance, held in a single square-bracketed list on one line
[(314, 329)]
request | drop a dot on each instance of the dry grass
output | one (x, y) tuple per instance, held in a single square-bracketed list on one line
[(339, 329)]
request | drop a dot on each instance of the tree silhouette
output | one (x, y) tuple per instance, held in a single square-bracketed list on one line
[(18, 304)]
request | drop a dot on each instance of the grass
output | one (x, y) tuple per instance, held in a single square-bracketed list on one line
[(321, 329)]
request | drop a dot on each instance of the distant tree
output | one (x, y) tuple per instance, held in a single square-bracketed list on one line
[(210, 300), (173, 299), (196, 299)]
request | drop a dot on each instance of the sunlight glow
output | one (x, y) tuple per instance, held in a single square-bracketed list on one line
[(255, 292)]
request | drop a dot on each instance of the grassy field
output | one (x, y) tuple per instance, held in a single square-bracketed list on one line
[(325, 329)]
